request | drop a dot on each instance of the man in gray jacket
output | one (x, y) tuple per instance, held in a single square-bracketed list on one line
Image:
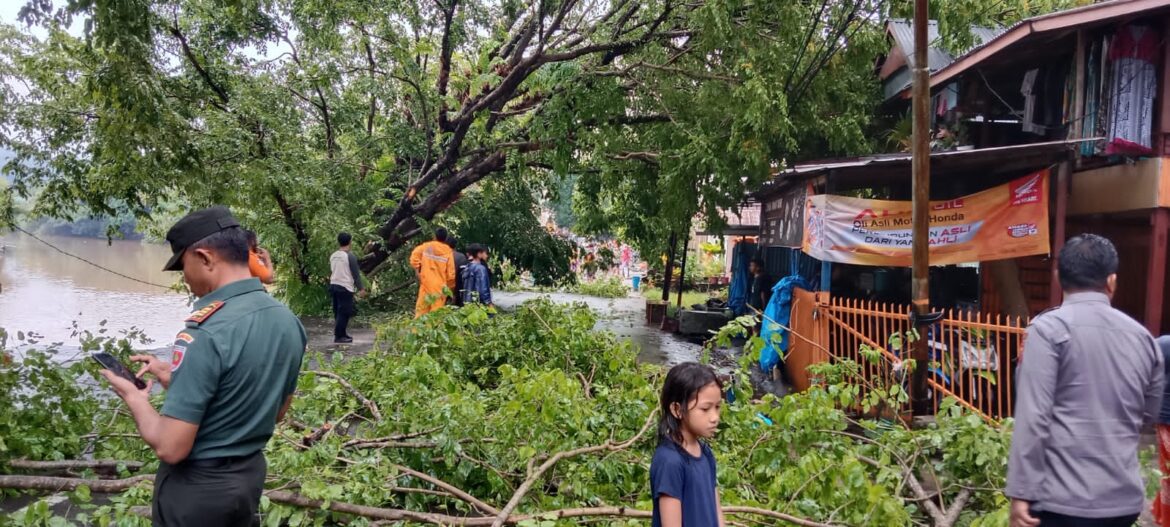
[(1090, 377)]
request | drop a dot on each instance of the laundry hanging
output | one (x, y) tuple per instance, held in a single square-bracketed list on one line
[(1133, 86), (1027, 89), (1092, 98)]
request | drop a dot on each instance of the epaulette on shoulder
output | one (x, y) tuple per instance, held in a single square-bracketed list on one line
[(1045, 312), (202, 315)]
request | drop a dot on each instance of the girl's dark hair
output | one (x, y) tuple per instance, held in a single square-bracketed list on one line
[(253, 241), (682, 386)]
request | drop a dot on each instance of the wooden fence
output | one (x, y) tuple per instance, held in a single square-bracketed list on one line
[(973, 355)]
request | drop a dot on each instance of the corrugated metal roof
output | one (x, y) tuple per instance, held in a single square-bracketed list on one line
[(940, 163), (1097, 13), (902, 31), (984, 35)]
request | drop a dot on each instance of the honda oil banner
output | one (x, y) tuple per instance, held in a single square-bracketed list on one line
[(1007, 221)]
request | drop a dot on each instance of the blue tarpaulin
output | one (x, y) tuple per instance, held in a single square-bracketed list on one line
[(737, 294), (779, 310)]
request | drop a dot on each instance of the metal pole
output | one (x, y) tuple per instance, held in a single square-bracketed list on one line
[(920, 285), (668, 272), (682, 274)]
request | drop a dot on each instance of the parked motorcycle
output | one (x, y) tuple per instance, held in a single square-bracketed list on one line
[(968, 369)]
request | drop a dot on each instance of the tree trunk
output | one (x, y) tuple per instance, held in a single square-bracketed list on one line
[(1006, 277), (300, 251)]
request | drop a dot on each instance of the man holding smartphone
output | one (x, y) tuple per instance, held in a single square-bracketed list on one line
[(230, 379)]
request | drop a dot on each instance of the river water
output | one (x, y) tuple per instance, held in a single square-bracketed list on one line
[(45, 292)]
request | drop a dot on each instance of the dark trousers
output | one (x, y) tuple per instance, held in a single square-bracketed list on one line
[(343, 310), (222, 491), (1051, 519)]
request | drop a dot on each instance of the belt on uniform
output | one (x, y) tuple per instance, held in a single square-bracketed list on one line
[(216, 462)]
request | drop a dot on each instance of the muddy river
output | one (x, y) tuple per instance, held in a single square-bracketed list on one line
[(46, 292)]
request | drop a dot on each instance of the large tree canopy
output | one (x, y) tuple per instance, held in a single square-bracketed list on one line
[(311, 116), (758, 86)]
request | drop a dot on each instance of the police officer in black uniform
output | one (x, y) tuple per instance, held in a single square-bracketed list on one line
[(230, 378)]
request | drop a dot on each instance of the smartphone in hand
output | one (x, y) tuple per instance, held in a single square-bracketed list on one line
[(114, 365)]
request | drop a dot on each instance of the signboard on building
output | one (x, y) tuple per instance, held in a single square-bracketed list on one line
[(783, 223), (1007, 221)]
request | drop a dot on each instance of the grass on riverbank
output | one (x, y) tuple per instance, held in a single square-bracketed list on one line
[(690, 298), (606, 287), (610, 287)]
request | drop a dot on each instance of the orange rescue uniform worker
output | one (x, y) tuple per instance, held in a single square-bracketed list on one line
[(434, 264), (259, 261)]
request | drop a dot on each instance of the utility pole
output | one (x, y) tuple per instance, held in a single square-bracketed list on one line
[(920, 285), (669, 271)]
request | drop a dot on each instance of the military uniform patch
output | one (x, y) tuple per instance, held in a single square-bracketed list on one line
[(202, 315), (185, 337), (177, 356)]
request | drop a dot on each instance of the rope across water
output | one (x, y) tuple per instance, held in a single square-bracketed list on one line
[(71, 255)]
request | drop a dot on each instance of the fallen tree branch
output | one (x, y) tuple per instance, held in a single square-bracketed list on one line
[(413, 490), (125, 435), (452, 489), (324, 430), (924, 498), (608, 446), (503, 476), (392, 515), (74, 464), (585, 385), (775, 515), (392, 443), (285, 497), (956, 508), (398, 437), (55, 484), (365, 401), (371, 443)]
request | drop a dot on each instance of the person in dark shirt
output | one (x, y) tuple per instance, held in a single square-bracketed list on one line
[(682, 473), (461, 263), (758, 290), (477, 280)]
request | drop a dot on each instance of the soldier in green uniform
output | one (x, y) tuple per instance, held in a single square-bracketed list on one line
[(230, 379)]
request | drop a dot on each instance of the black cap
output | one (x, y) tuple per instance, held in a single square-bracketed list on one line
[(194, 227)]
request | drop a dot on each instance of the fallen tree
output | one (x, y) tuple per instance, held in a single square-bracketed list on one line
[(464, 419)]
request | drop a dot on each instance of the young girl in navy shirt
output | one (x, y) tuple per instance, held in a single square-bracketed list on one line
[(682, 474)]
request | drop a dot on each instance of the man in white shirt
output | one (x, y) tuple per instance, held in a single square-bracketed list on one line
[(344, 281)]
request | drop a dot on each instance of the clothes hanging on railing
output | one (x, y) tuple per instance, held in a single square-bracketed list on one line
[(1050, 106), (1094, 64), (1133, 86), (1028, 90), (947, 99)]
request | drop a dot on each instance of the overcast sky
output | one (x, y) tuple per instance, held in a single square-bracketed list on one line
[(10, 8)]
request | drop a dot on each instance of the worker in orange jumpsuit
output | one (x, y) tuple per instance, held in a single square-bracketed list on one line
[(434, 265)]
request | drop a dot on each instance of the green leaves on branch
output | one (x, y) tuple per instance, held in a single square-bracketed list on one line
[(472, 407)]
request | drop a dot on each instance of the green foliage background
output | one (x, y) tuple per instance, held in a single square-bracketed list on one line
[(475, 401)]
